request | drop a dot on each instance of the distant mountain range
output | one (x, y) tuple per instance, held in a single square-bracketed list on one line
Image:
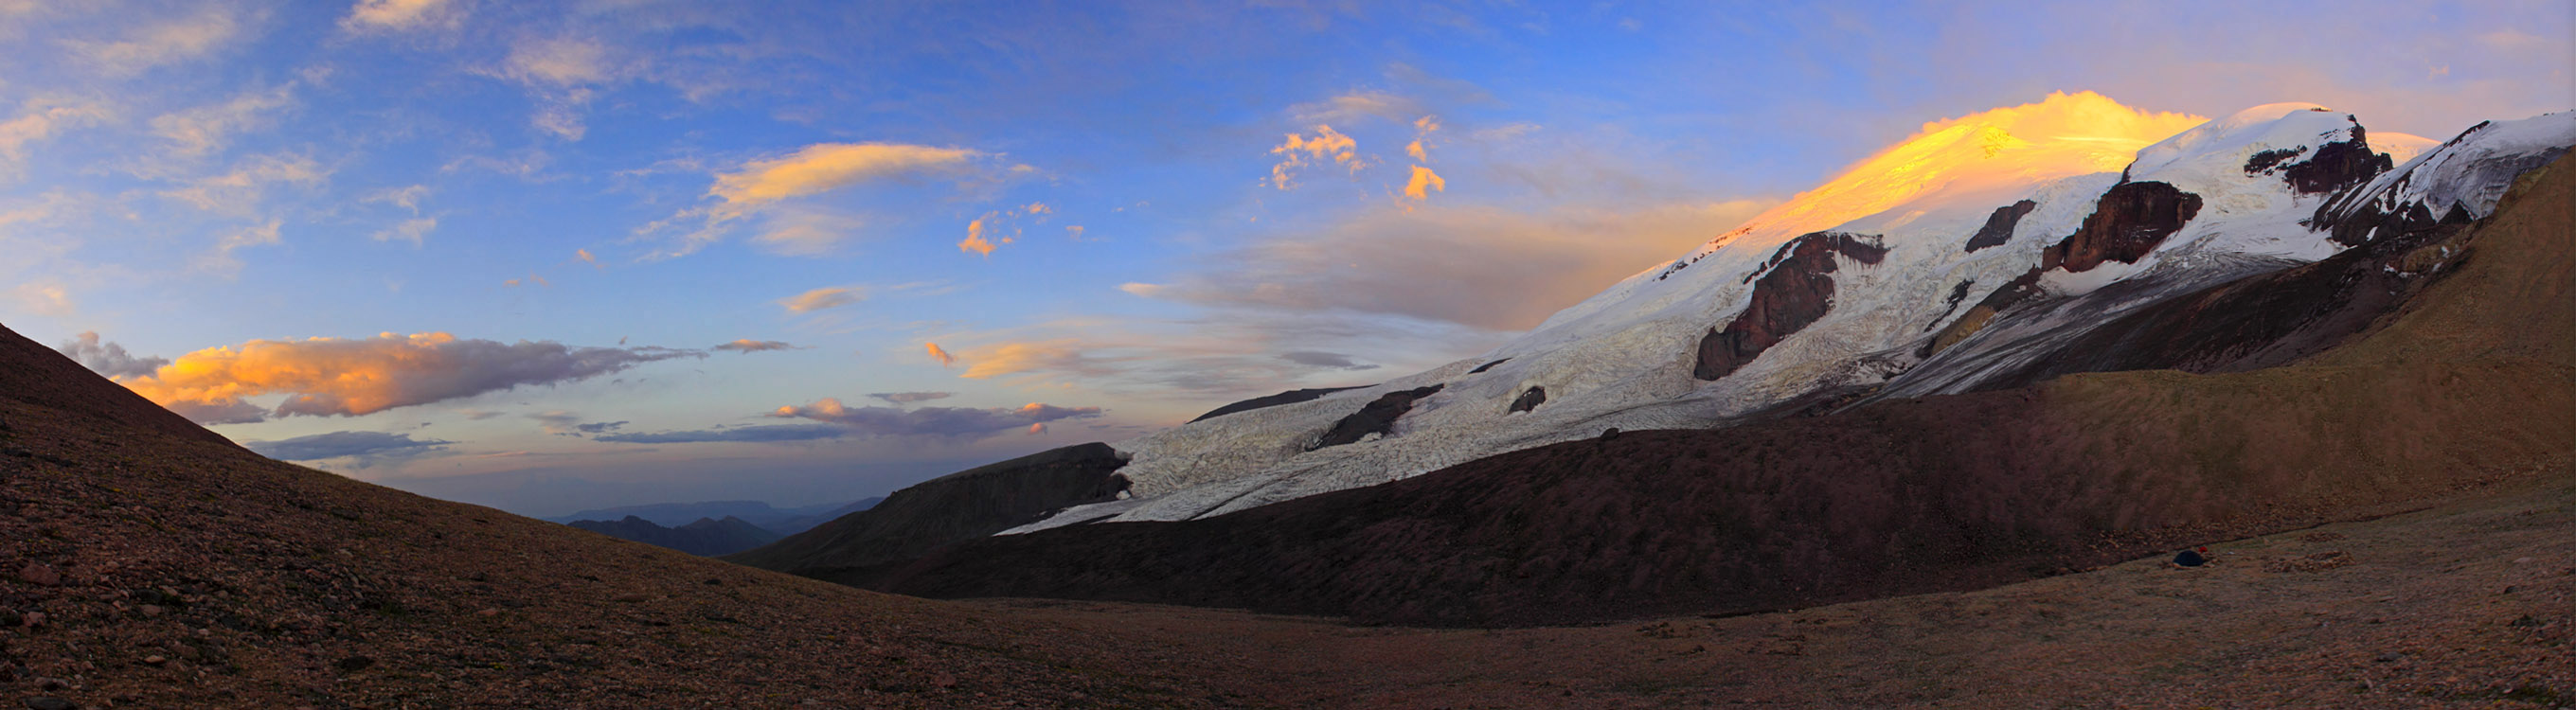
[(783, 521), (712, 528)]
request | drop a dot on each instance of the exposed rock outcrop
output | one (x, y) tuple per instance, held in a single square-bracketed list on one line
[(1999, 226), (2337, 166), (1795, 288), (1288, 397), (1377, 417), (2129, 221), (1530, 400)]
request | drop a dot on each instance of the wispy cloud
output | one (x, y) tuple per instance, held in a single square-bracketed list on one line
[(398, 15), (753, 346), (366, 448), (160, 43), (823, 298), (941, 355), (209, 129), (903, 398), (1485, 267), (932, 421), (41, 118)]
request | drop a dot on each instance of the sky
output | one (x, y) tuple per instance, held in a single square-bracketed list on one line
[(568, 255)]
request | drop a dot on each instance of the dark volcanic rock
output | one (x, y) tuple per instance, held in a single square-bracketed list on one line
[(1530, 400), (1378, 417), (1288, 397), (2264, 161), (1797, 289), (1488, 366), (2129, 221), (960, 506), (707, 537), (2337, 166), (1999, 227)]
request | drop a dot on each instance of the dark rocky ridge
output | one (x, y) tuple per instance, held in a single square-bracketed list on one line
[(708, 537), (1288, 397), (969, 504), (1377, 417), (1999, 226), (1530, 400), (2129, 221), (1797, 289)]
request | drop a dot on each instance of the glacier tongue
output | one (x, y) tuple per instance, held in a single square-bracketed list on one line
[(1625, 358)]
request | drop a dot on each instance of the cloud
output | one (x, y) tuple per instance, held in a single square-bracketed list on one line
[(416, 230), (586, 258), (562, 75), (369, 447), (754, 434), (758, 185), (397, 15), (562, 423), (222, 259), (239, 191), (1301, 151), (41, 118), (822, 298), (901, 398), (407, 198), (1223, 355), (1422, 130), (753, 346), (942, 356), (1484, 267), (350, 377), (933, 421), (974, 243), (159, 43), (1324, 359), (799, 230), (106, 358), (1353, 106), (1038, 428), (1424, 183), (828, 166), (207, 129)]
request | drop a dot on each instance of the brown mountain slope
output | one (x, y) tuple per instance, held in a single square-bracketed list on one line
[(2467, 379), (144, 562)]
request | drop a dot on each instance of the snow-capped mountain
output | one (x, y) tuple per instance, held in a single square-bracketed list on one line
[(1944, 264)]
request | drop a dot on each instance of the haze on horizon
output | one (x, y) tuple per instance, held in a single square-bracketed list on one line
[(575, 255)]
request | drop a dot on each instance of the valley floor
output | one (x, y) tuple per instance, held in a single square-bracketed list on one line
[(2467, 604)]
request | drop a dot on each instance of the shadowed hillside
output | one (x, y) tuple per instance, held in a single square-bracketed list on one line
[(148, 563)]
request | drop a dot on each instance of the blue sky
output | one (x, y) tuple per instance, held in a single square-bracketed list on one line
[(625, 184)]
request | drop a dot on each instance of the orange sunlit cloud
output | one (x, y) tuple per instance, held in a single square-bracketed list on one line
[(942, 356), (1302, 151), (350, 377), (826, 166), (2063, 135), (1422, 127), (1424, 183), (975, 243)]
